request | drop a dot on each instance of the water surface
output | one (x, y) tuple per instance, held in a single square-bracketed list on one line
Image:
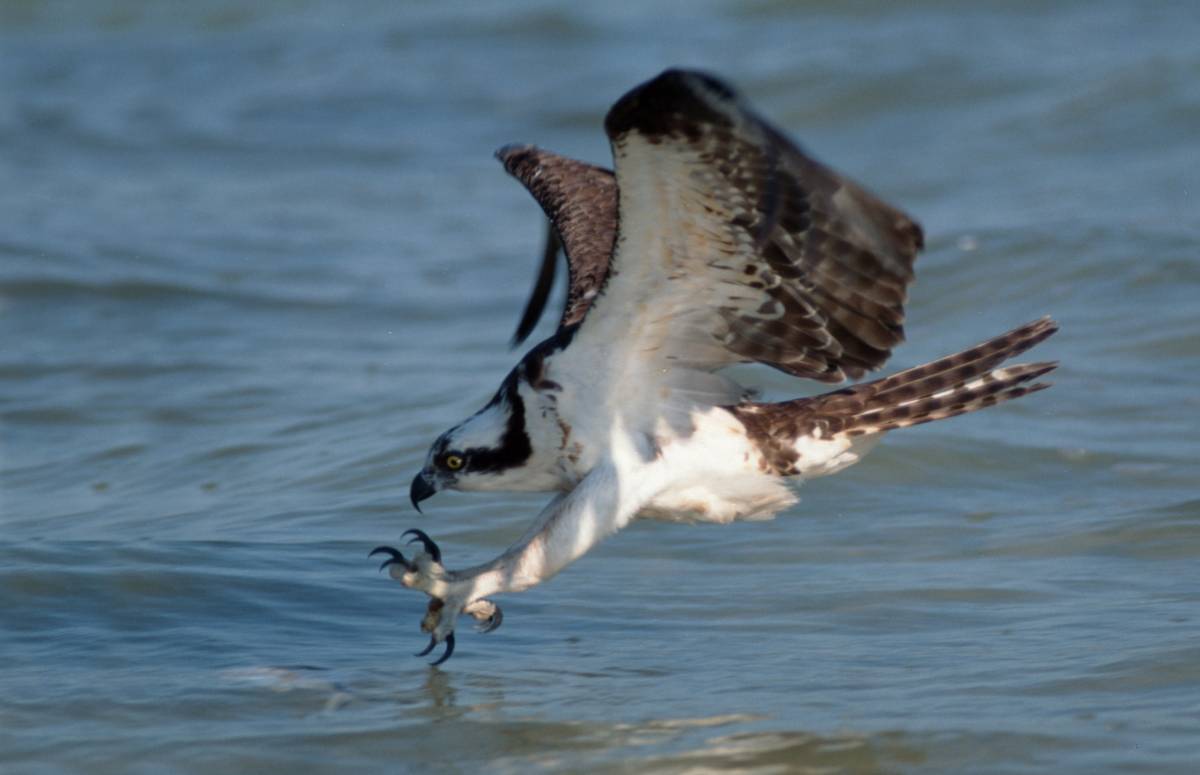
[(254, 258)]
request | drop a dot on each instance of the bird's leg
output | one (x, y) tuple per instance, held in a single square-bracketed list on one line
[(567, 528)]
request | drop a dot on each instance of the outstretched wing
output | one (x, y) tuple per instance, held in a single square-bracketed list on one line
[(581, 202), (733, 245)]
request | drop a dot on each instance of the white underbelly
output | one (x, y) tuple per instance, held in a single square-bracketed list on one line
[(720, 476), (722, 501), (717, 475)]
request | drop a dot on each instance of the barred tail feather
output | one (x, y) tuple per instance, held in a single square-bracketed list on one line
[(960, 383), (999, 386), (955, 370)]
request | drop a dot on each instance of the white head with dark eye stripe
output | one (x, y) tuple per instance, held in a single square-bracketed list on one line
[(491, 450)]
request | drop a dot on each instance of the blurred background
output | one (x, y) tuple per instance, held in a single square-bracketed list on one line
[(254, 257)]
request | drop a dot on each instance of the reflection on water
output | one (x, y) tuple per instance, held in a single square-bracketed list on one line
[(255, 258)]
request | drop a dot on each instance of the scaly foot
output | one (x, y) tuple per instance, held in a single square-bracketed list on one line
[(425, 573)]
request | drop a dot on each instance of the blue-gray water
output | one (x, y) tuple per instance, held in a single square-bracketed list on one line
[(255, 256)]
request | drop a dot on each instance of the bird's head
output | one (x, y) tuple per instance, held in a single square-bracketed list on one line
[(492, 449)]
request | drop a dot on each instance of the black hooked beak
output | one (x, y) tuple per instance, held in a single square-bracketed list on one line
[(421, 490)]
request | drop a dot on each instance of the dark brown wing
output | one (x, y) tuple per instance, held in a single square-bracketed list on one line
[(741, 241), (581, 202)]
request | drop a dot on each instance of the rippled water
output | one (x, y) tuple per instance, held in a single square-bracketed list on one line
[(253, 257)]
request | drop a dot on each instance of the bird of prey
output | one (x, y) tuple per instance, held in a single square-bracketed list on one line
[(714, 241)]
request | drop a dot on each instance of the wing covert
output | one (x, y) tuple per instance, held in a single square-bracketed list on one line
[(733, 245)]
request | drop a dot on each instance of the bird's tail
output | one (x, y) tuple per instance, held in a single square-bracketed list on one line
[(950, 386)]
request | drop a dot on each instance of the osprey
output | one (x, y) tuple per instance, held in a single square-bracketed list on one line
[(716, 241)]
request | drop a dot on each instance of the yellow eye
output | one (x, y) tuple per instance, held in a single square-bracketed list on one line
[(453, 462)]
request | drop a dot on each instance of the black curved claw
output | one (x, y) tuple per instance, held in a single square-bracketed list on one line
[(394, 557), (493, 622), (433, 643), (426, 541), (449, 651)]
